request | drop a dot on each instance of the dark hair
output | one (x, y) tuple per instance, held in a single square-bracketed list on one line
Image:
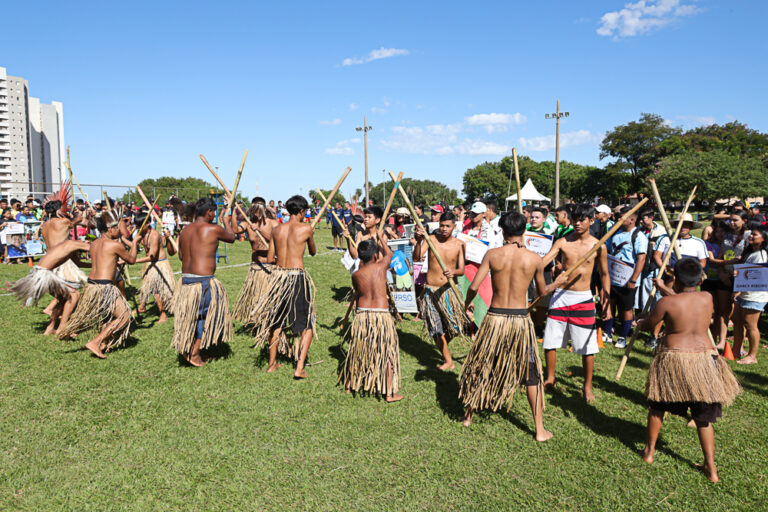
[(646, 211), (139, 218), (376, 211), (541, 210), (567, 208), (295, 204), (204, 205), (492, 205), (466, 206), (187, 213), (749, 250), (528, 208), (366, 250), (447, 216), (51, 207), (258, 199), (754, 224), (688, 272), (741, 213), (108, 219), (512, 224), (582, 211)]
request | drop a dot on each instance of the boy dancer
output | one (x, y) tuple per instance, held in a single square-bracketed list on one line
[(201, 305), (373, 359), (572, 309), (504, 353), (686, 372), (290, 303), (157, 274), (442, 311)]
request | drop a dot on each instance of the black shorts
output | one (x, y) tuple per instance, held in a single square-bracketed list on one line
[(713, 285), (336, 230), (623, 297), (700, 412), (295, 310), (533, 378)]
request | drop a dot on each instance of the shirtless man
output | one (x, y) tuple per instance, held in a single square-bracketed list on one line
[(41, 280), (371, 219), (293, 289), (373, 358), (202, 311), (264, 222), (572, 310), (101, 302), (504, 353), (441, 310), (157, 276)]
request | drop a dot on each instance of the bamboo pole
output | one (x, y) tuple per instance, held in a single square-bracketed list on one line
[(431, 245), (155, 216), (597, 246), (517, 181), (77, 183), (148, 215), (331, 196), (389, 202), (107, 201), (647, 306), (663, 214), (69, 168), (237, 182)]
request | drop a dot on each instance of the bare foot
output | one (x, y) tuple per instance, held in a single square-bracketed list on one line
[(544, 435), (300, 374), (711, 473), (273, 367), (49, 330), (347, 390), (747, 360), (467, 419), (194, 360), (394, 398), (93, 346), (589, 396), (646, 455), (691, 424), (720, 346), (446, 366), (163, 318), (142, 308)]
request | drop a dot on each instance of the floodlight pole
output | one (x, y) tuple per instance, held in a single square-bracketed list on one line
[(365, 129), (557, 115)]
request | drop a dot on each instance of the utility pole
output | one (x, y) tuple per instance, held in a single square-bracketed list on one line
[(557, 115), (384, 192), (365, 129)]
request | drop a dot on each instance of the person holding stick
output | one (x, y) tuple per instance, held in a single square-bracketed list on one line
[(157, 274), (441, 309), (290, 305), (504, 354), (201, 305), (371, 219)]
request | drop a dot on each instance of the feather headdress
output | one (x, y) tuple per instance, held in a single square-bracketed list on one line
[(64, 194)]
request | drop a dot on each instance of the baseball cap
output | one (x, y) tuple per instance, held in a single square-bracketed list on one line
[(478, 207), (603, 208), (437, 208), (402, 211)]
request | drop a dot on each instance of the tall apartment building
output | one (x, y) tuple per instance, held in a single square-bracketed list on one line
[(32, 151)]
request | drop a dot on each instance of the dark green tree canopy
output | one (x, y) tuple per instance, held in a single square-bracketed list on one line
[(187, 189), (734, 138), (315, 197), (424, 192)]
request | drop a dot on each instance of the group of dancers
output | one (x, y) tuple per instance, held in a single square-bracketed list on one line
[(277, 301)]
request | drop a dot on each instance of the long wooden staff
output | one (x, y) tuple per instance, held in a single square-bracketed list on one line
[(237, 181), (330, 197), (239, 209), (155, 216), (432, 247), (647, 307), (663, 214), (69, 168), (148, 214), (597, 246), (517, 181), (389, 203), (77, 183)]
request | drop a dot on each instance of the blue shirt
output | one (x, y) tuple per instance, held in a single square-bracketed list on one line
[(621, 244), (339, 214), (399, 263), (347, 218)]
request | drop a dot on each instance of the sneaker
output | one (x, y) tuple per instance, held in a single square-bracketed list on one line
[(651, 343), (607, 339), (621, 342)]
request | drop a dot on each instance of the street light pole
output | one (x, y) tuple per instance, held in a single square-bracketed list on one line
[(365, 129), (557, 115), (384, 192)]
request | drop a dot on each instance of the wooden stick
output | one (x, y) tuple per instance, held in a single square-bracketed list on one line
[(155, 216), (106, 200), (663, 214), (331, 196), (69, 168), (333, 212), (239, 209), (647, 307), (237, 182), (597, 246), (77, 183), (389, 202), (432, 247), (517, 181), (148, 215)]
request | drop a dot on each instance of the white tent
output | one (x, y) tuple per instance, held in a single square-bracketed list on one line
[(529, 193)]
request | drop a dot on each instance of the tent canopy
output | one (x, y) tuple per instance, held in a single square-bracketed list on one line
[(529, 193)]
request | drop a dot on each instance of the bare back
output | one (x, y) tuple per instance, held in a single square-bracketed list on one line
[(55, 230), (259, 250), (686, 317), (288, 242), (153, 245), (370, 283), (198, 242), (512, 268), (104, 254)]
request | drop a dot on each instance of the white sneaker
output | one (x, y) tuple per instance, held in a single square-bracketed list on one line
[(607, 339), (621, 342)]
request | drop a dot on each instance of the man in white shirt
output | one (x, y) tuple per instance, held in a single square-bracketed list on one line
[(689, 245)]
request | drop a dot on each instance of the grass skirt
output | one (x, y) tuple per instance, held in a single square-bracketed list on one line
[(253, 288), (217, 326), (442, 312), (40, 281), (498, 362), (70, 272), (157, 278), (373, 345), (96, 307), (275, 308), (682, 376)]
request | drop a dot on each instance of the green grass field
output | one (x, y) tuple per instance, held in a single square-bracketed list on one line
[(139, 431)]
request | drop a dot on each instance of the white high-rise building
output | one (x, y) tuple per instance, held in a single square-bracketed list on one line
[(32, 150)]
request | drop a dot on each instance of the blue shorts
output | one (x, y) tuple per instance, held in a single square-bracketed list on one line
[(748, 304), (205, 302)]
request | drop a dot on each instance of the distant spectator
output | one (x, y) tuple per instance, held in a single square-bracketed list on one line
[(25, 215)]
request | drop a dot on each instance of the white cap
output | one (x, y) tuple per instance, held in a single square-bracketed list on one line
[(603, 208), (478, 207)]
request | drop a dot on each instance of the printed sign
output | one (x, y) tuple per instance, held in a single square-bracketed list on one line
[(620, 271), (751, 278), (474, 249), (35, 248), (539, 243), (405, 301), (13, 228)]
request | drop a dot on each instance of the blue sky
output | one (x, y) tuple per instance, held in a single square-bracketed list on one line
[(148, 86)]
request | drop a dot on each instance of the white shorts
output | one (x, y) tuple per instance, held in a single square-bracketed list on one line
[(571, 318)]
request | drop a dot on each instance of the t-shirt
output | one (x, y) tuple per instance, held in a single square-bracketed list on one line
[(691, 247), (620, 245), (550, 225), (347, 216), (760, 256), (399, 263), (340, 214), (715, 250), (562, 231), (25, 218)]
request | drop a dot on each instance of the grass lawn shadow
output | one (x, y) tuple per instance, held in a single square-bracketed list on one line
[(341, 293), (613, 387)]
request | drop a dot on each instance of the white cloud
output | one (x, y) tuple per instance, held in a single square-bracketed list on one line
[(439, 139), (547, 142), (352, 107), (643, 16), (495, 123), (334, 122), (378, 110), (381, 53), (343, 147), (700, 120)]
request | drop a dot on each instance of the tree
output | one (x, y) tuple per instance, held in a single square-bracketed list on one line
[(424, 192), (734, 138), (633, 145), (187, 189), (717, 175), (315, 197)]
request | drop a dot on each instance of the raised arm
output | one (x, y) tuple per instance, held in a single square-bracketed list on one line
[(227, 233), (128, 256)]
